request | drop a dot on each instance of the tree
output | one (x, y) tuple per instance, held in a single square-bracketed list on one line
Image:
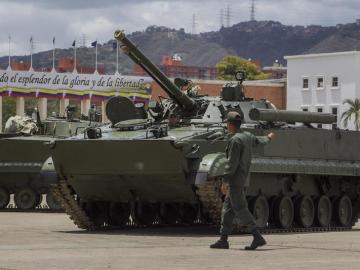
[(227, 67), (354, 110)]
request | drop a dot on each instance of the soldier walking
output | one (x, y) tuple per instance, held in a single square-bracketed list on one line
[(239, 154)]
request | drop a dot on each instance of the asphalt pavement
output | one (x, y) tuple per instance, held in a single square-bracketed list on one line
[(51, 241)]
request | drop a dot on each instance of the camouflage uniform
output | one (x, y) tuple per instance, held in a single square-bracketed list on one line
[(239, 153)]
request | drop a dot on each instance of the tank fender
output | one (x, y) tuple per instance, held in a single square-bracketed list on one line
[(212, 166)]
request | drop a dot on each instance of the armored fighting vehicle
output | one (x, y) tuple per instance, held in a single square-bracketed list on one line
[(165, 165), (25, 167)]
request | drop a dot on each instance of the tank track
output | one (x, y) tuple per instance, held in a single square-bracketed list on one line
[(63, 193), (210, 197)]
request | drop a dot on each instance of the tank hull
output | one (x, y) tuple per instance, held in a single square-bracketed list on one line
[(300, 162), (138, 173)]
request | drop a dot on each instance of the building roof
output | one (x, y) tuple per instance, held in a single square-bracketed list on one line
[(302, 56)]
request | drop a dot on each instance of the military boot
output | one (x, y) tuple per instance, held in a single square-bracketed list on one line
[(258, 241), (222, 243)]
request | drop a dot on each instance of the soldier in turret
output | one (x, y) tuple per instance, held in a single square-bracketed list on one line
[(239, 154)]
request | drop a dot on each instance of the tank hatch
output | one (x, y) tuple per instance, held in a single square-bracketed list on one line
[(120, 109)]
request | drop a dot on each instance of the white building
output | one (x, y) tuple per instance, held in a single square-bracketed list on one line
[(321, 82)]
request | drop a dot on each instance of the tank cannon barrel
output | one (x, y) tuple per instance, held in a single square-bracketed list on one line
[(139, 58), (291, 116)]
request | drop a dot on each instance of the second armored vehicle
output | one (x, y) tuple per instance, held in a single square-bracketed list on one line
[(24, 158)]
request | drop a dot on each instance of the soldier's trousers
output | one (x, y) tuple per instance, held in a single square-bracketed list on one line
[(235, 205)]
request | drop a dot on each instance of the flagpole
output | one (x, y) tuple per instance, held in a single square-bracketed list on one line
[(9, 67), (31, 53), (96, 57), (75, 71), (53, 66), (117, 57)]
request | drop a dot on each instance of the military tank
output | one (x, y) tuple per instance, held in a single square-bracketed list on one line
[(165, 166), (26, 170)]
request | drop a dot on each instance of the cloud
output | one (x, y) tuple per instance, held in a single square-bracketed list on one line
[(93, 19)]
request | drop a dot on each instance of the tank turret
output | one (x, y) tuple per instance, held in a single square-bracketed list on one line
[(291, 116), (190, 107)]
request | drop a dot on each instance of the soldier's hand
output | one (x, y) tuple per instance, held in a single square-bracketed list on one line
[(271, 135)]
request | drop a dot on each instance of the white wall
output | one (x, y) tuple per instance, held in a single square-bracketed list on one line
[(345, 66)]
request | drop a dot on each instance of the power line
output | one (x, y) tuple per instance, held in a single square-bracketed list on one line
[(194, 24), (252, 10), (221, 18), (228, 15), (84, 39)]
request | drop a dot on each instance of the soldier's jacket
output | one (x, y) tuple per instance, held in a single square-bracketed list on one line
[(239, 154)]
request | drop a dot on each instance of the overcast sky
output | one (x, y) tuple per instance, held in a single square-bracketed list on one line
[(97, 19)]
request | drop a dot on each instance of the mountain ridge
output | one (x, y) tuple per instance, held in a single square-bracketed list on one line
[(263, 41)]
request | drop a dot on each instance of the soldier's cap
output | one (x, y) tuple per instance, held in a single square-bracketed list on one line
[(233, 117)]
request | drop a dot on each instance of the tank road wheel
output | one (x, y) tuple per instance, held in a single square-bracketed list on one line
[(323, 211), (304, 211), (26, 199), (343, 211), (188, 213), (4, 198), (119, 213), (52, 202), (259, 207), (98, 212), (284, 212), (170, 213), (145, 214)]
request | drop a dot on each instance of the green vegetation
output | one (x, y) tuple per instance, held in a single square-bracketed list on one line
[(230, 64), (354, 110)]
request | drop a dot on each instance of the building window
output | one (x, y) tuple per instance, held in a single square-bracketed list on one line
[(320, 82), (305, 83), (305, 109), (319, 110), (335, 82), (334, 110)]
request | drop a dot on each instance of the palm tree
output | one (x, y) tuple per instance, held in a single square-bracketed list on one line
[(353, 110)]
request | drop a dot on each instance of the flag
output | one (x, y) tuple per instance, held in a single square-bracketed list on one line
[(94, 43), (114, 45), (53, 40), (74, 43)]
